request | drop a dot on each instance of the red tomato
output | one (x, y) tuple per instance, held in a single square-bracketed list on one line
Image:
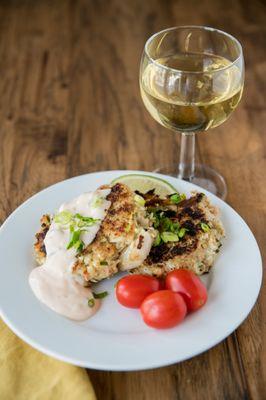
[(161, 284), (163, 309), (190, 286), (132, 289)]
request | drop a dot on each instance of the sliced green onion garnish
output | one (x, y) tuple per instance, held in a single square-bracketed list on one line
[(156, 221), (79, 245), (176, 198), (74, 239), (166, 224), (204, 227), (175, 227), (97, 202), (91, 302), (169, 237), (63, 217), (100, 295), (127, 228), (182, 232), (157, 240), (77, 224), (103, 262), (87, 221)]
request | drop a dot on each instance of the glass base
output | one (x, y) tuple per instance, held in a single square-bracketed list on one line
[(204, 177)]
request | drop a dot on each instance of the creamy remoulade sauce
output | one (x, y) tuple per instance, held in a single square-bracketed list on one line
[(53, 283)]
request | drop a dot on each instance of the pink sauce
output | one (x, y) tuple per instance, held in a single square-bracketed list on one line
[(53, 283)]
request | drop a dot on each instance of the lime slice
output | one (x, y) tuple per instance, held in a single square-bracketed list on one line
[(143, 183)]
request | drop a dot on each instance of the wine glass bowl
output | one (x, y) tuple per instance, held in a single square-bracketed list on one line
[(191, 80)]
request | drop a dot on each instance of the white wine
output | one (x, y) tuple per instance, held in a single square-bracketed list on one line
[(199, 97)]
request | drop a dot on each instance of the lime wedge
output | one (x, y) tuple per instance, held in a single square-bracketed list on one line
[(143, 183)]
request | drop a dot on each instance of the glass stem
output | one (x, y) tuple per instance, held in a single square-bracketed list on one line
[(187, 157)]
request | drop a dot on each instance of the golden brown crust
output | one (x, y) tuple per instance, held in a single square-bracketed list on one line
[(39, 246), (100, 259), (118, 225)]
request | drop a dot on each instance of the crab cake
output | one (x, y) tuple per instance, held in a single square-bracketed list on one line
[(197, 246)]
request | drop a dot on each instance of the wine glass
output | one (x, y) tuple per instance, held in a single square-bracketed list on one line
[(191, 80)]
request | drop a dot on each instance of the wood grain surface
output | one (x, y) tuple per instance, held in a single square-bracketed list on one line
[(70, 104)]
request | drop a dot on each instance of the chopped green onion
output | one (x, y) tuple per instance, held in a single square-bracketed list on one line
[(91, 302), (182, 232), (139, 200), (67, 218), (156, 221), (127, 228), (79, 216), (175, 227), (100, 295), (169, 237), (157, 240), (79, 245), (74, 238), (204, 227), (85, 221), (103, 262), (97, 202), (77, 224), (166, 224), (176, 198), (63, 217)]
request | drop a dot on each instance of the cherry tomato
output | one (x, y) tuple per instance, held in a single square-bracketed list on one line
[(132, 289), (161, 284), (190, 286), (163, 309)]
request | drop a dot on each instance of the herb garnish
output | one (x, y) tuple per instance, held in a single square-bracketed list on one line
[(75, 240), (177, 197), (84, 221), (91, 302), (204, 227), (63, 218), (169, 237), (100, 295), (168, 230), (127, 228), (182, 232), (157, 240), (76, 223), (175, 227), (103, 262), (97, 202)]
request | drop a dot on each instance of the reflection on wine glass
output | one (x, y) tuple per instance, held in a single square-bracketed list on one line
[(191, 80)]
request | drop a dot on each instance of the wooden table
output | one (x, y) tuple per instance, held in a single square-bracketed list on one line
[(70, 104)]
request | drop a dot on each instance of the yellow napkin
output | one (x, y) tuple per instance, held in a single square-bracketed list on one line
[(26, 374)]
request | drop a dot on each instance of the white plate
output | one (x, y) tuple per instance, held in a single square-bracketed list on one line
[(116, 338)]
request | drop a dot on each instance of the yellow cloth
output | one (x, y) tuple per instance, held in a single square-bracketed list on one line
[(26, 374)]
